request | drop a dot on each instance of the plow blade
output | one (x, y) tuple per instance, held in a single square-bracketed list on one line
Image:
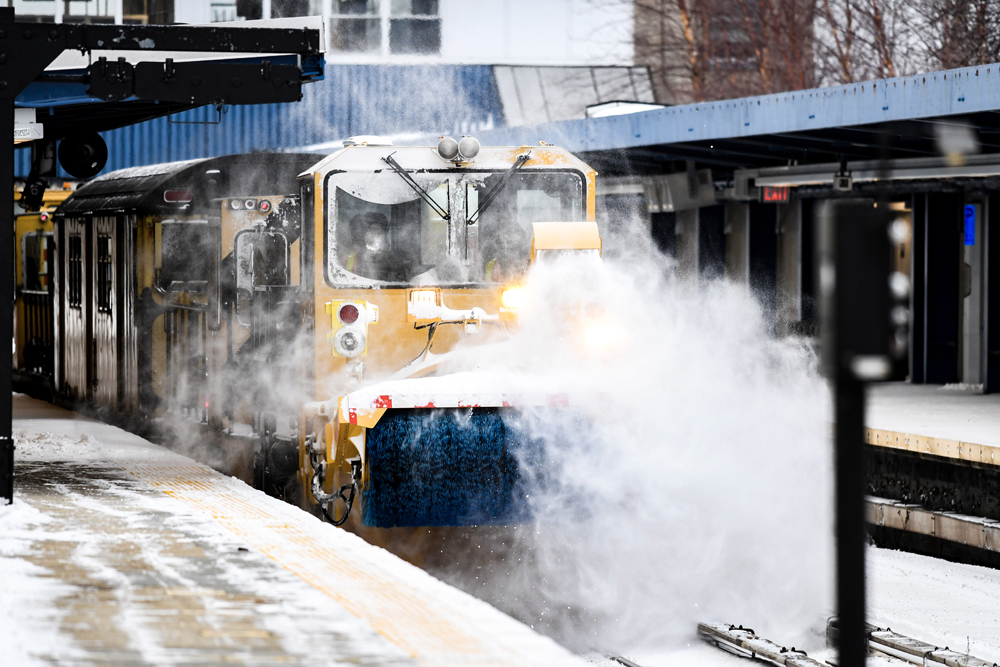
[(446, 467)]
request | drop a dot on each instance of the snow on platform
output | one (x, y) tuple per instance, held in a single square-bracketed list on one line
[(117, 551), (954, 412)]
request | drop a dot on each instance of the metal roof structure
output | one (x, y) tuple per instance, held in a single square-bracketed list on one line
[(173, 71), (207, 179), (894, 118), (349, 100)]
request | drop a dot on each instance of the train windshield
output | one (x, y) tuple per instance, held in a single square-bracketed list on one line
[(463, 228)]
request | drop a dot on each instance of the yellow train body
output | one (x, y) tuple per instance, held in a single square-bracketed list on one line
[(397, 338)]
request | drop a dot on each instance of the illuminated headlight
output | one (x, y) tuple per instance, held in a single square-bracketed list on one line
[(513, 299), (602, 335), (349, 341), (424, 304), (236, 204)]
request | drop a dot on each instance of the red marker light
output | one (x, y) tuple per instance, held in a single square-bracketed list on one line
[(44, 217), (348, 313), (265, 206), (177, 196)]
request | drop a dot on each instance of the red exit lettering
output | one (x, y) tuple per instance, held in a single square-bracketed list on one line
[(780, 194)]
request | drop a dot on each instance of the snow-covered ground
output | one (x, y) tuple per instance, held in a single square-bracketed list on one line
[(119, 551)]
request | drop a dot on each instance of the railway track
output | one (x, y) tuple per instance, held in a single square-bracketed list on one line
[(744, 642)]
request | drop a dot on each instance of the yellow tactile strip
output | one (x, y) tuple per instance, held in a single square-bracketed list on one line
[(434, 623), (922, 444)]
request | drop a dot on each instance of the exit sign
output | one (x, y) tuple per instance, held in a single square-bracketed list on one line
[(775, 194)]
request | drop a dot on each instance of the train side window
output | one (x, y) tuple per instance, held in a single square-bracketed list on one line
[(75, 271), (262, 258), (36, 251), (187, 249), (105, 275)]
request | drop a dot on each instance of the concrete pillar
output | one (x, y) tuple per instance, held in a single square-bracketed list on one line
[(918, 242), (971, 293), (808, 277), (687, 243), (711, 242), (663, 227), (763, 255), (788, 266), (991, 296), (737, 231), (941, 287)]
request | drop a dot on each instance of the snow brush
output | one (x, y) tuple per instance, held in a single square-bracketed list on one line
[(447, 467)]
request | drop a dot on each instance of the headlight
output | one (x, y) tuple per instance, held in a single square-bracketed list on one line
[(604, 335), (468, 148), (448, 148), (513, 299), (423, 305), (349, 341)]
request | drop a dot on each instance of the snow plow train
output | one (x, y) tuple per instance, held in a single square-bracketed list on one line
[(458, 230), (308, 312)]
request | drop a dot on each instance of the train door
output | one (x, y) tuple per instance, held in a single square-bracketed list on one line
[(104, 313), (128, 333), (74, 307), (35, 331)]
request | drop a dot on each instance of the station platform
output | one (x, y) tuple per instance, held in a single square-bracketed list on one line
[(120, 552), (945, 413)]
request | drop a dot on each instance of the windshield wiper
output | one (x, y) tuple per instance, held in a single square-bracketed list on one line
[(493, 193), (416, 187)]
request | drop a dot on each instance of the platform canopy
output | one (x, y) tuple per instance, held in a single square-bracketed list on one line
[(905, 115), (118, 79)]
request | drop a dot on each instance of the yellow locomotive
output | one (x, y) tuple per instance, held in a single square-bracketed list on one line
[(304, 309)]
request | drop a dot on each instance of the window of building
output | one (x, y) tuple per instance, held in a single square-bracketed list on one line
[(386, 27), (158, 12), (415, 27), (356, 26), (75, 272), (105, 274)]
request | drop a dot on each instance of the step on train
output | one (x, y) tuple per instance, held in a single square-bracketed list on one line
[(299, 310)]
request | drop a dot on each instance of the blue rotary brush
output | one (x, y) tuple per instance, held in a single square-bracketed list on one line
[(445, 467)]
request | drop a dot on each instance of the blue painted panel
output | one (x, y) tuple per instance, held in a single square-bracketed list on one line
[(350, 100), (970, 224)]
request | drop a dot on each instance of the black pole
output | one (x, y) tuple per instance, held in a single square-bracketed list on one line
[(860, 344), (849, 408), (7, 300)]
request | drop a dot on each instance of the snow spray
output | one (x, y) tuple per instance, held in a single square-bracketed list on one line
[(696, 487)]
